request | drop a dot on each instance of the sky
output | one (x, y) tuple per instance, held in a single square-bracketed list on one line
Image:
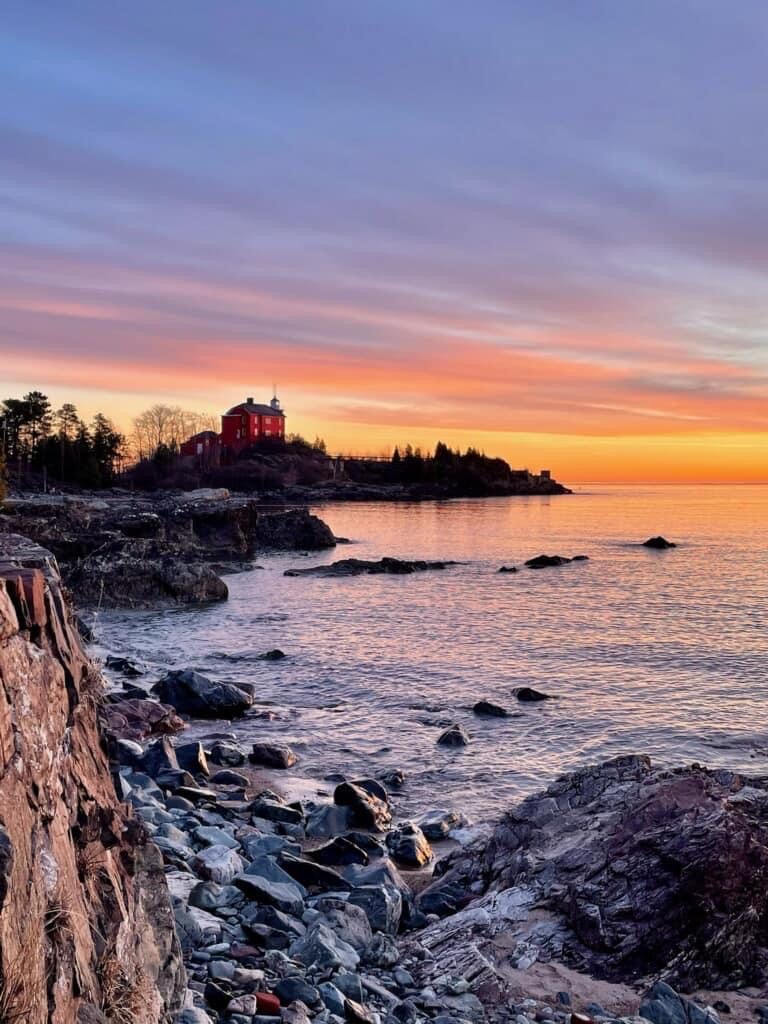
[(538, 227)]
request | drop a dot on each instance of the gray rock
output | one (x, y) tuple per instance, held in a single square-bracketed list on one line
[(218, 863), (333, 998), (274, 810), (350, 984), (321, 947), (382, 951), (328, 820), (263, 880), (383, 906), (213, 897), (409, 846), (665, 886), (347, 920), (212, 836), (227, 753), (662, 1005), (194, 694), (314, 877), (288, 990), (192, 1015)]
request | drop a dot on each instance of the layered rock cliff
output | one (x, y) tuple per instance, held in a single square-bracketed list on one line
[(86, 926), (158, 550)]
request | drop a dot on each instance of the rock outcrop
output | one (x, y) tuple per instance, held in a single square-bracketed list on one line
[(621, 871), (166, 549), (361, 567), (86, 926)]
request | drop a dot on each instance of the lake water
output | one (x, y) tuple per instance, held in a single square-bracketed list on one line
[(658, 652)]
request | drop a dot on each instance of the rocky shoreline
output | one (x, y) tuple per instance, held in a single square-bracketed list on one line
[(599, 900), (125, 551)]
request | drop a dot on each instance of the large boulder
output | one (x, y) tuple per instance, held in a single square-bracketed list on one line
[(659, 543), (196, 695), (367, 810), (625, 871)]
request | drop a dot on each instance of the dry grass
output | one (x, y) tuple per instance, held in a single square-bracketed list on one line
[(20, 1000), (123, 999)]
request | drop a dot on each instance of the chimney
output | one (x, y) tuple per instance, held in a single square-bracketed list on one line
[(249, 401)]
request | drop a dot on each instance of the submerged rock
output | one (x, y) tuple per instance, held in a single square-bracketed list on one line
[(547, 561), (359, 567), (660, 543), (196, 695)]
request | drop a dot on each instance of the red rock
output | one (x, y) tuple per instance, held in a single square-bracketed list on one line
[(268, 1004)]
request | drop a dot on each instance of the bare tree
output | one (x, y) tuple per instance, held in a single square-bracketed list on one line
[(169, 426)]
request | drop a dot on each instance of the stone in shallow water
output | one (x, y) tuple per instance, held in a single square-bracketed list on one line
[(454, 736), (437, 824), (660, 543), (194, 694), (272, 756), (490, 710), (226, 753), (528, 694)]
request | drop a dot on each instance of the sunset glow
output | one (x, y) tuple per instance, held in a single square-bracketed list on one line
[(425, 223)]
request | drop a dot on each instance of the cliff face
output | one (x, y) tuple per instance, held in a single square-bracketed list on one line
[(86, 926)]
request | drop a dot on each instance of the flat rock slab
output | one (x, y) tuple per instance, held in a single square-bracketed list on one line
[(359, 567)]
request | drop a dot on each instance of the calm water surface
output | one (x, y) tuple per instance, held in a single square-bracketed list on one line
[(658, 652)]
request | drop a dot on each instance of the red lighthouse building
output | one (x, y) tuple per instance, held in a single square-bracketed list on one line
[(249, 422)]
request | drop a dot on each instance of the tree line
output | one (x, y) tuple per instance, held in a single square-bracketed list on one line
[(36, 439)]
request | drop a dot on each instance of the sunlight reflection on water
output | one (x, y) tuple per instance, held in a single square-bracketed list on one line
[(658, 652)]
